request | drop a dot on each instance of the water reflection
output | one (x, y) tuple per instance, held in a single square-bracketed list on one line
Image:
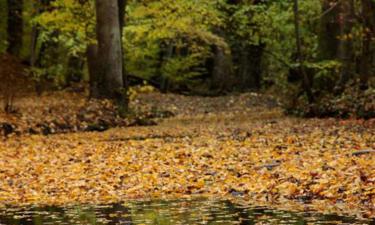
[(199, 211)]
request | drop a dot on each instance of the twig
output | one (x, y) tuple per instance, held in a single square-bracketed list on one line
[(363, 152), (328, 10), (269, 166)]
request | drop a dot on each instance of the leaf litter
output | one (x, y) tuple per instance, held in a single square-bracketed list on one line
[(224, 147)]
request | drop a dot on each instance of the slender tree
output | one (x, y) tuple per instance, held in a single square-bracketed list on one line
[(301, 70), (121, 14)]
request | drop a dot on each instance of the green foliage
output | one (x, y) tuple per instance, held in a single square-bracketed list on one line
[(170, 38), (74, 21), (66, 28), (152, 26), (246, 22), (174, 39), (278, 33), (325, 73)]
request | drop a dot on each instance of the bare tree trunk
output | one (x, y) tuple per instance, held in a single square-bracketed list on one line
[(300, 60), (15, 26), (109, 57)]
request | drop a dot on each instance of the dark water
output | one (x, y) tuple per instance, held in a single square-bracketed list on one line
[(167, 213)]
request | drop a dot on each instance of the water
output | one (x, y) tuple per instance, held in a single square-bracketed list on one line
[(184, 212)]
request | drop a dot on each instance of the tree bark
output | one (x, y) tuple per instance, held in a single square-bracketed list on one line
[(109, 57), (15, 26)]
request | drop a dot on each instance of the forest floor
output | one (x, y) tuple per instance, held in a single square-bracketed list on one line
[(240, 147)]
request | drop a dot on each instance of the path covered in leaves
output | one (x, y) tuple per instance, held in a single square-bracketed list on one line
[(239, 147)]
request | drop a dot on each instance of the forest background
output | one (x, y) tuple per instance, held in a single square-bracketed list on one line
[(317, 56)]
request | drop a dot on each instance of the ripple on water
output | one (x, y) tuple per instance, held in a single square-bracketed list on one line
[(198, 211)]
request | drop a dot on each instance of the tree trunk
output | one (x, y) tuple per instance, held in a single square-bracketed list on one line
[(301, 70), (329, 31), (367, 55), (33, 45), (222, 71), (15, 27), (109, 57), (345, 48), (249, 61), (334, 43), (74, 70), (92, 55), (122, 12), (38, 8), (37, 56), (48, 56), (165, 82), (247, 57)]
